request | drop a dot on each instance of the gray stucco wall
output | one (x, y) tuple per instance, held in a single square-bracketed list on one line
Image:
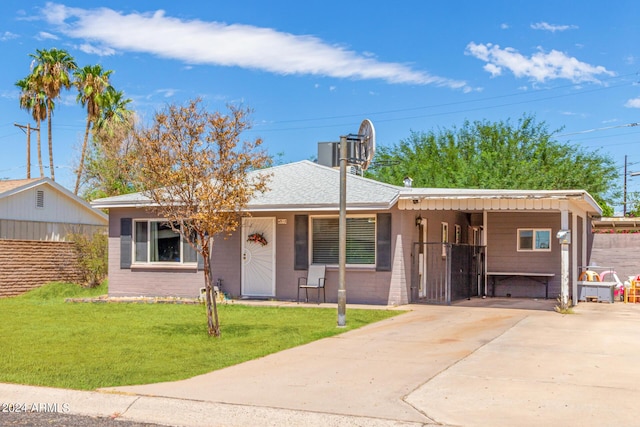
[(364, 284), (149, 282), (619, 251)]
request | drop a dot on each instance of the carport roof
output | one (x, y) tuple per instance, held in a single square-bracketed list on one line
[(498, 198)]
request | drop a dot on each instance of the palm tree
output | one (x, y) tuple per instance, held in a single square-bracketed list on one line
[(33, 100), (51, 73), (113, 110), (91, 81)]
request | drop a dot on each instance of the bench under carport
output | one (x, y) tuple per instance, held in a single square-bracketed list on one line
[(498, 276)]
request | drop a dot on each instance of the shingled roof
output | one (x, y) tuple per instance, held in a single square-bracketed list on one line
[(301, 185)]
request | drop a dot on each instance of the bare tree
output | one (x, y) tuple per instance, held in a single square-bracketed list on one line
[(199, 173)]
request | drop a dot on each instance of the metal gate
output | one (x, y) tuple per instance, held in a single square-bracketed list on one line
[(446, 272)]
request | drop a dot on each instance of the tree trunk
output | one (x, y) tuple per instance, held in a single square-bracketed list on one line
[(213, 325), (82, 154), (53, 174)]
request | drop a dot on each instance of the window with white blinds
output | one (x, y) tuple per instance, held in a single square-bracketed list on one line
[(361, 240)]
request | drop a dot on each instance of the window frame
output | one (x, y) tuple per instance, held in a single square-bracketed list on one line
[(534, 240), (444, 237), (134, 243), (444, 232), (374, 240)]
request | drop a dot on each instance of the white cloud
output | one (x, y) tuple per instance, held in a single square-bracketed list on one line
[(553, 28), (165, 93), (539, 67), (8, 35), (633, 103), (215, 43), (9, 94), (493, 70), (95, 50), (43, 35), (504, 26)]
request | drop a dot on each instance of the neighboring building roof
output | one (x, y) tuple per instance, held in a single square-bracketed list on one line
[(11, 187), (617, 223), (309, 186), (7, 186)]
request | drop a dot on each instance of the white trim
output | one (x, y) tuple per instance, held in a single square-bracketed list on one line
[(165, 266)]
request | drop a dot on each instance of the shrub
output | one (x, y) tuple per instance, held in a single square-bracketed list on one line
[(92, 256)]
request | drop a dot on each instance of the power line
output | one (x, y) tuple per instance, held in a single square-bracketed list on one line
[(431, 114), (599, 129), (401, 110)]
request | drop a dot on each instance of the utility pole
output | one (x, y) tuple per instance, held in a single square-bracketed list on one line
[(28, 129), (624, 200), (342, 238)]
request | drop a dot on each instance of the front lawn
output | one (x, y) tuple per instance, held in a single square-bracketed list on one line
[(47, 341)]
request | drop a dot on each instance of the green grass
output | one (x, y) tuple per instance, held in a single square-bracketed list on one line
[(47, 341)]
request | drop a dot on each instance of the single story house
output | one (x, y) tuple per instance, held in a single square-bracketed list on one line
[(42, 209), (36, 218), (403, 244)]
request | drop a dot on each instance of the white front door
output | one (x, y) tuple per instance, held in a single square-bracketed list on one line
[(258, 257)]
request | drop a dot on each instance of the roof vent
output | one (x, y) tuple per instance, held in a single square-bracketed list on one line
[(40, 199)]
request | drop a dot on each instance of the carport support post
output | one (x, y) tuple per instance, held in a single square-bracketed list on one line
[(564, 260), (342, 236), (564, 286)]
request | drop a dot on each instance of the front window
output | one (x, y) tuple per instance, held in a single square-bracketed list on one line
[(361, 240), (156, 242), (534, 239)]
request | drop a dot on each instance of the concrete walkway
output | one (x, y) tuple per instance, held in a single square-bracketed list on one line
[(478, 363)]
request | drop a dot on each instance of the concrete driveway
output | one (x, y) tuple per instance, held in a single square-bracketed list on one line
[(481, 362), (487, 362)]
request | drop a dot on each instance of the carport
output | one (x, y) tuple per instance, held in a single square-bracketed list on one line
[(491, 232)]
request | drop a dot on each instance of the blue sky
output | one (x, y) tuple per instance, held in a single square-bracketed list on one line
[(313, 70)]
